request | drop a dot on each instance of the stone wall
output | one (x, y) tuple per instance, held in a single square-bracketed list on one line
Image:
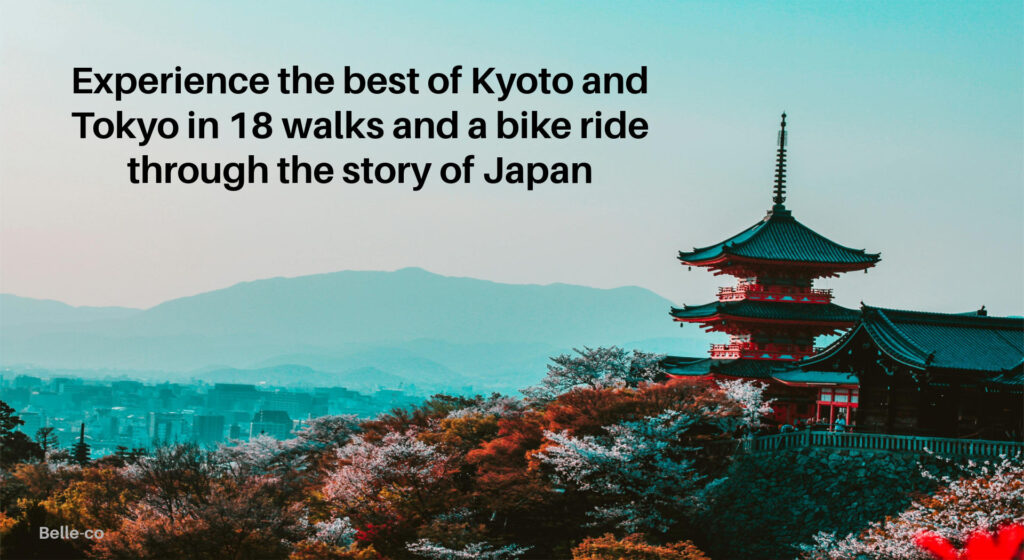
[(775, 500)]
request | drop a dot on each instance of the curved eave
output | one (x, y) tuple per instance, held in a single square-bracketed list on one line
[(830, 351), (833, 323), (694, 377), (726, 259), (813, 384), (767, 313), (896, 345), (886, 348)]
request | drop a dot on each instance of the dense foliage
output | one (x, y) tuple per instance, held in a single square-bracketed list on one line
[(987, 497), (604, 459)]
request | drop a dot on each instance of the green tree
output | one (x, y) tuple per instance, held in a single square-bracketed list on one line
[(46, 438), (15, 446)]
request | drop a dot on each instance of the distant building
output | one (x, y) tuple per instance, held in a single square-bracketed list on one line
[(274, 423), (47, 400), (32, 422), (233, 396), (296, 404), (240, 418), (165, 427), (27, 382), (127, 386), (16, 397), (63, 384), (208, 428)]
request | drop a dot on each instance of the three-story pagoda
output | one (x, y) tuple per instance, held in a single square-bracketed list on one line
[(773, 313)]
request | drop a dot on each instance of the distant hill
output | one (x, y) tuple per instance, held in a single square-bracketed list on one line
[(409, 324), (16, 311)]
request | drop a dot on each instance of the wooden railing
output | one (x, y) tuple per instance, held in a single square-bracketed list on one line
[(884, 442), (758, 292), (755, 351)]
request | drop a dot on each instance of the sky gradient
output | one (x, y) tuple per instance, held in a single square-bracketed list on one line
[(905, 119)]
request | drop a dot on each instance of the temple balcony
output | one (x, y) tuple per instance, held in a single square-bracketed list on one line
[(756, 351), (949, 447), (788, 294)]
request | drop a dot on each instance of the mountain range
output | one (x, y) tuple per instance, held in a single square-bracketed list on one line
[(404, 329)]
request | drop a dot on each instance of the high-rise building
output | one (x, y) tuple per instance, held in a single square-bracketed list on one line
[(207, 429), (274, 423)]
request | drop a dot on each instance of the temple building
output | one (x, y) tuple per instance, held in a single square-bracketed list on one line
[(931, 374), (896, 372), (773, 313)]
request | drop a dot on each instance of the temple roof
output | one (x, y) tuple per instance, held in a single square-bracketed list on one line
[(780, 237), (922, 340), (797, 376), (774, 311)]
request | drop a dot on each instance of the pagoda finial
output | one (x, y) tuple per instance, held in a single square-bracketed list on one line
[(780, 166)]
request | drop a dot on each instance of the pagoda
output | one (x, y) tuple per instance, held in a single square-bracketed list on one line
[(773, 313)]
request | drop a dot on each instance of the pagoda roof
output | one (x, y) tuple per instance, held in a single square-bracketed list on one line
[(780, 237), (970, 342), (770, 311), (679, 366), (787, 373)]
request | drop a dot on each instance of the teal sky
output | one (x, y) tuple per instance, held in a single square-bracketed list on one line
[(907, 137)]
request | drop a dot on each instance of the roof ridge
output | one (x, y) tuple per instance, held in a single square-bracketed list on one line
[(963, 319), (838, 342), (904, 339), (760, 223), (890, 345)]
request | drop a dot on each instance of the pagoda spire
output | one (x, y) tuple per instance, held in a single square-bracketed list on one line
[(780, 166)]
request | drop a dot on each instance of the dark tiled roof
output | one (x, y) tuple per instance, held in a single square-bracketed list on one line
[(993, 346), (781, 311), (780, 237), (1014, 376), (757, 369), (679, 365), (810, 377)]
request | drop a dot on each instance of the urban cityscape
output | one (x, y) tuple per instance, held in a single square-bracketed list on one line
[(130, 414)]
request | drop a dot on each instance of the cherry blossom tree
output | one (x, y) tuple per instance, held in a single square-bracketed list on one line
[(262, 454), (596, 368), (336, 532), (327, 432), (389, 486), (195, 507), (495, 405), (425, 548), (642, 469), (633, 547), (990, 498), (398, 464), (750, 396)]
